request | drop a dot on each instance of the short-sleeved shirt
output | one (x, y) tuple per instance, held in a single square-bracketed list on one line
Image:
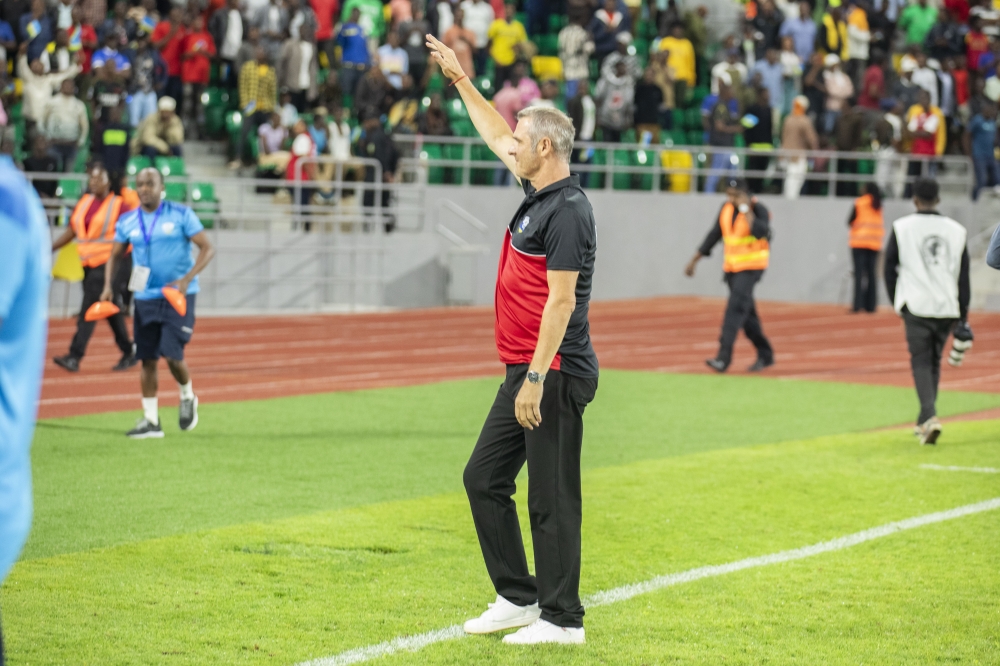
[(725, 113), (553, 230), (201, 46), (983, 134), (167, 252), (505, 37), (24, 309), (353, 44), (103, 55), (171, 51)]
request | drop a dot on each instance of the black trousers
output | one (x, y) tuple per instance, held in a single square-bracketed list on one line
[(741, 313), (93, 285), (865, 282), (926, 338), (552, 452)]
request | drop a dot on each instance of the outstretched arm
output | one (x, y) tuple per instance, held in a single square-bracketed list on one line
[(490, 124)]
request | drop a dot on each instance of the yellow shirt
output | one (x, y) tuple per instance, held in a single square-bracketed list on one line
[(503, 38), (681, 58)]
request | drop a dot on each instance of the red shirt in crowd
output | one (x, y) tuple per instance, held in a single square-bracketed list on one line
[(874, 82), (199, 47), (171, 51), (976, 44), (326, 12), (959, 9), (87, 36), (961, 77)]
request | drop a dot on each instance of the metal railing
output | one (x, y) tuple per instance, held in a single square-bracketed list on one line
[(653, 167)]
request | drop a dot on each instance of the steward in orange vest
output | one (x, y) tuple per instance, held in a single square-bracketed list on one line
[(92, 226), (743, 226), (867, 233)]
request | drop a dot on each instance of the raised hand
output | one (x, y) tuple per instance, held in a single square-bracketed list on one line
[(445, 58)]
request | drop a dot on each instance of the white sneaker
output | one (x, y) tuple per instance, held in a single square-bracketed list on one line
[(545, 632), (502, 615), (929, 431)]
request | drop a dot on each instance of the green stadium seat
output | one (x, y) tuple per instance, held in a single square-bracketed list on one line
[(456, 110), (482, 153), (678, 137), (82, 157), (432, 151), (643, 159), (484, 84), (557, 22), (435, 83), (69, 189), (596, 181), (137, 164), (692, 119), (678, 118), (548, 45), (175, 192), (170, 166), (454, 151), (203, 193), (622, 181), (463, 127)]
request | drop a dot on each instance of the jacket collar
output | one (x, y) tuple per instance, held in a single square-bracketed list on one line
[(572, 181)]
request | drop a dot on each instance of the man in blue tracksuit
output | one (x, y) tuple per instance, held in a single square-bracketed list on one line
[(24, 291)]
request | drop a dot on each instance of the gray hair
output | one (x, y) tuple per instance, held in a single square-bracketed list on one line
[(552, 124)]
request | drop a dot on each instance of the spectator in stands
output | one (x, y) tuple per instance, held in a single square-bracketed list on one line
[(925, 77), (663, 77), (119, 25), (615, 97), (872, 88), (945, 38), (767, 24), (227, 29), (161, 133), (838, 88), (859, 38), (402, 116), (463, 42), (149, 77), (85, 36), (977, 43), (401, 11), (300, 16), (371, 17), (434, 121), (604, 27), (94, 11), (681, 59), (302, 147), (35, 29), (888, 139), (109, 86), (248, 49), (375, 144), (648, 105), (849, 137), (575, 48), (110, 53), (58, 58), (65, 125), (772, 77), (8, 42), (393, 60), (258, 93), (791, 74), (297, 69), (42, 161), (980, 142), (412, 34), (289, 114), (272, 22), (271, 137), (326, 17), (758, 134), (340, 134), (621, 54), (168, 39), (724, 125), (38, 88), (989, 17), (199, 49), (904, 89), (923, 121), (507, 40), (916, 21), (478, 16), (112, 138), (583, 110), (373, 93), (831, 35), (354, 59), (732, 67), (797, 133), (318, 131)]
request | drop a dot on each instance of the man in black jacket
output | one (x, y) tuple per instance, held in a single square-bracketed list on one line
[(376, 144)]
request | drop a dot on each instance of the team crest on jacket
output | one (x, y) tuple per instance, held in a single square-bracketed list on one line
[(523, 224)]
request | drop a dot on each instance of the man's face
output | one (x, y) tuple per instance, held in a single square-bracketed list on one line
[(526, 161), (736, 196), (165, 115), (772, 55), (509, 12), (98, 181), (149, 187), (36, 67), (67, 88), (394, 39)]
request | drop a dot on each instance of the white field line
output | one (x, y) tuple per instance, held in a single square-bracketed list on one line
[(418, 641), (952, 468)]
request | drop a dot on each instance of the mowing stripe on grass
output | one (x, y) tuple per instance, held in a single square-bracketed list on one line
[(418, 641), (952, 468)]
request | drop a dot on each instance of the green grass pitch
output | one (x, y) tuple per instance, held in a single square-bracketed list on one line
[(297, 528)]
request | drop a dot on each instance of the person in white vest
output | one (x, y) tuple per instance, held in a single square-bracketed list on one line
[(927, 277)]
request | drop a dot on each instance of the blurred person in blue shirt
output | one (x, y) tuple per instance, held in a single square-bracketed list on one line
[(354, 59), (24, 288), (980, 139), (161, 234)]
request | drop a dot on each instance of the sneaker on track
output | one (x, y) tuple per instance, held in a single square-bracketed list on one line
[(187, 414), (717, 365), (930, 430), (760, 364), (127, 361), (145, 430), (502, 615), (541, 631), (68, 363)]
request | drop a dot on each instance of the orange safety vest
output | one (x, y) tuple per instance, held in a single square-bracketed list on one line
[(741, 251), (867, 229), (94, 244)]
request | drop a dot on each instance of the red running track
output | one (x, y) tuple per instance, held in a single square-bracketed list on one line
[(244, 358)]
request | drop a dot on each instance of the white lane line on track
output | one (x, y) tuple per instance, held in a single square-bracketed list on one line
[(419, 641), (953, 468)]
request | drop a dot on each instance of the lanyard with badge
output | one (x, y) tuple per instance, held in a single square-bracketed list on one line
[(140, 274)]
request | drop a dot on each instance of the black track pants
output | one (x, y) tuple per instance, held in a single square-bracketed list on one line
[(926, 338), (741, 313), (552, 452)]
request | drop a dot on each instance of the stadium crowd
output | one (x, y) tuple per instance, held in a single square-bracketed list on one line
[(908, 82)]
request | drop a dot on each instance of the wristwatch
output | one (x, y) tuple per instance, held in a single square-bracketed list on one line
[(535, 378)]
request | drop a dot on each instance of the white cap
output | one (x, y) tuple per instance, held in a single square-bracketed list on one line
[(908, 65), (831, 59), (166, 104)]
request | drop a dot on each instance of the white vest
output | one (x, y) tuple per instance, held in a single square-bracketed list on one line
[(930, 259)]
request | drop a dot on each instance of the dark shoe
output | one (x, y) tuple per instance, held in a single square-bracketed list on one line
[(70, 363), (717, 365), (760, 364), (187, 414), (929, 431), (145, 430), (127, 361)]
